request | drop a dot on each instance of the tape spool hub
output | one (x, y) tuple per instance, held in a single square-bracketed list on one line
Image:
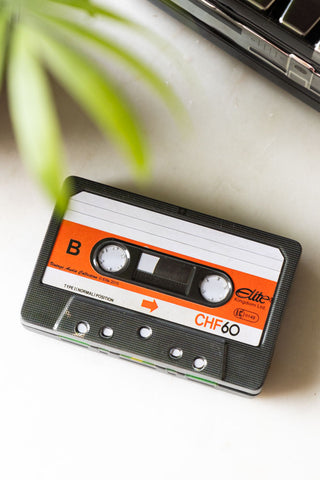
[(113, 257), (216, 288)]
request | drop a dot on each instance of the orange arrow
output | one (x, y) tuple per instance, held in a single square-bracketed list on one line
[(151, 305)]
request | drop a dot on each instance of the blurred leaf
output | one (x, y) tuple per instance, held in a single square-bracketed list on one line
[(4, 17), (98, 96), (154, 38), (93, 9), (33, 114), (96, 10), (146, 73), (51, 33)]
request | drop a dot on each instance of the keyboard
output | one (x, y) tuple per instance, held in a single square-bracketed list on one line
[(278, 38)]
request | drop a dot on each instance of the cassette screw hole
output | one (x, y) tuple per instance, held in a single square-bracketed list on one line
[(175, 353), (106, 332), (82, 328), (199, 363), (145, 332)]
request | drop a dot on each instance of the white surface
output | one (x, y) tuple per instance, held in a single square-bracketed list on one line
[(253, 158)]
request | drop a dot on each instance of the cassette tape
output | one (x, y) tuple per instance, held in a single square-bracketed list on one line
[(161, 285)]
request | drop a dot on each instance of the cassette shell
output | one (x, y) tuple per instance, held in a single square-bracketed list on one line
[(229, 364)]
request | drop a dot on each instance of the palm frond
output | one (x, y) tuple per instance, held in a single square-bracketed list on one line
[(72, 29), (36, 35), (4, 21), (33, 115), (88, 7), (98, 96), (92, 9)]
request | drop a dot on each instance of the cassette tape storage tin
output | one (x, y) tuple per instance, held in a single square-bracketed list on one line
[(163, 286)]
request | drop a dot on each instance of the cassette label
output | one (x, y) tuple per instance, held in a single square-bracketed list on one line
[(172, 269)]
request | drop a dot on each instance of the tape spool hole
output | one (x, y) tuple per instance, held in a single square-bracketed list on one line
[(145, 332), (175, 353), (106, 332), (82, 328), (199, 363)]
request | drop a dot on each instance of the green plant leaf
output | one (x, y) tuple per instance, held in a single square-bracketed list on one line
[(149, 35), (146, 73), (33, 114), (98, 96), (93, 9), (4, 17)]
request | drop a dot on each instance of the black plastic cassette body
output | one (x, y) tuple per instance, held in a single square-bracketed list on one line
[(161, 285)]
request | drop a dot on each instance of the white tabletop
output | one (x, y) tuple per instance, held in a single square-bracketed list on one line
[(252, 157)]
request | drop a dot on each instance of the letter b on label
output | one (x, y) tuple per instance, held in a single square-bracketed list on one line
[(74, 247)]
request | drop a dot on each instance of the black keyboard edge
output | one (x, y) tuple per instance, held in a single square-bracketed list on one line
[(256, 20), (300, 92)]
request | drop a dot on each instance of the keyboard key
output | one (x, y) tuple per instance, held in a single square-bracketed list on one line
[(301, 16)]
